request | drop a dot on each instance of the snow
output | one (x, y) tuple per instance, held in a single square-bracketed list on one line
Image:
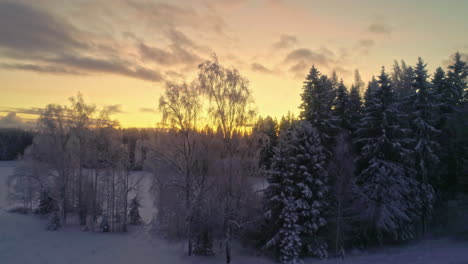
[(24, 239)]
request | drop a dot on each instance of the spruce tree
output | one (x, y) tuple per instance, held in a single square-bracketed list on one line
[(457, 80), (355, 104), (296, 194), (266, 130), (317, 99), (341, 108), (387, 188), (425, 145)]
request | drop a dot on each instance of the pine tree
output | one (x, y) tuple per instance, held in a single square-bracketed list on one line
[(387, 188), (426, 146), (296, 195), (134, 214)]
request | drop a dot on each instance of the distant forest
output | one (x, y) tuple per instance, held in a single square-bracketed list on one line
[(361, 166)]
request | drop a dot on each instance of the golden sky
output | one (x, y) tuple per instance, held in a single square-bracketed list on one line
[(120, 53)]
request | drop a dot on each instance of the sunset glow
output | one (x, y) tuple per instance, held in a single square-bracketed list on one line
[(120, 53)]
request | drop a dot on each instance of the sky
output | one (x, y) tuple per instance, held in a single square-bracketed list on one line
[(119, 54)]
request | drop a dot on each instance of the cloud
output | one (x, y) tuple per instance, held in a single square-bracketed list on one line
[(307, 55), (49, 44), (11, 120), (18, 110), (147, 110), (27, 29), (285, 42), (299, 60), (114, 109), (341, 71), (299, 69), (39, 68), (365, 45), (109, 65), (170, 16), (380, 28), (257, 67)]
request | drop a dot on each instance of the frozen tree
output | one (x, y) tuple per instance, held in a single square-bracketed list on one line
[(372, 86), (54, 147), (387, 188), (355, 101), (181, 107), (341, 108), (286, 122), (81, 119), (342, 214), (457, 80), (317, 98), (266, 131), (402, 79), (296, 194), (426, 146), (230, 109)]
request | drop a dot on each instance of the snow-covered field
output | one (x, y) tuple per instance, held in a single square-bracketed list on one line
[(23, 239)]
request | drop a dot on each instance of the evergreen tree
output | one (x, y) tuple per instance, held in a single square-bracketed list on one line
[(423, 120), (441, 92), (387, 188), (317, 99), (402, 80), (286, 122), (372, 86), (134, 214), (457, 80), (355, 100), (341, 108), (453, 122), (296, 195), (266, 130)]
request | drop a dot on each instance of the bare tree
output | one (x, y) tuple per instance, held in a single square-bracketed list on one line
[(181, 107), (81, 120), (230, 98)]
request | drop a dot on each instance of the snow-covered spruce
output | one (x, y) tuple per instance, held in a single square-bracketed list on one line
[(296, 195), (389, 197)]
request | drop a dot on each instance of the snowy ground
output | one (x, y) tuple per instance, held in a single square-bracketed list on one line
[(23, 239)]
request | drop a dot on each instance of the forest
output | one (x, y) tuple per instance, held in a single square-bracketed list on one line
[(363, 166)]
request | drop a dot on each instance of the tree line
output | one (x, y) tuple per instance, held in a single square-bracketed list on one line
[(352, 170)]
